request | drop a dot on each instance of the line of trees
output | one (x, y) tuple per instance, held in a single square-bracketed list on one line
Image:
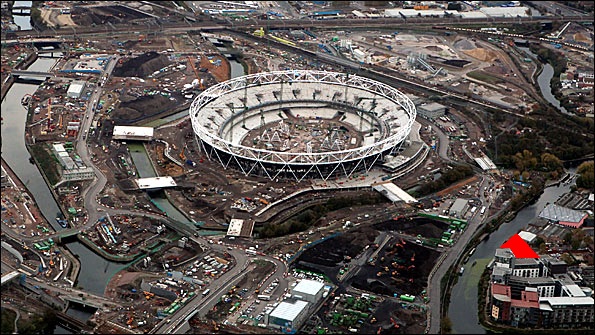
[(447, 178), (308, 217)]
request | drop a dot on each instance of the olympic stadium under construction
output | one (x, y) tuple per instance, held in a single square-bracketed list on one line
[(300, 124)]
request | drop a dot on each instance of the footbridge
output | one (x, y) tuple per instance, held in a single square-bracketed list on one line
[(72, 323), (90, 300), (38, 74)]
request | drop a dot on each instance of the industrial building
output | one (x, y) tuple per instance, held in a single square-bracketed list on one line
[(432, 110), (75, 89), (132, 133), (289, 314), (564, 216), (308, 290), (72, 169), (459, 208)]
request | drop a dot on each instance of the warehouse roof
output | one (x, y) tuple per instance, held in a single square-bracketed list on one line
[(308, 286), (459, 205), (555, 212), (289, 310)]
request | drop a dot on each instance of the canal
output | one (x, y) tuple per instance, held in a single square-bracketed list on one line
[(21, 20), (463, 303), (95, 271)]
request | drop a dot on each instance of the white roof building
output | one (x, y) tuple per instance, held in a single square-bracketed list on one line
[(527, 236), (75, 89), (288, 314), (155, 183), (235, 227), (394, 193), (505, 11), (132, 133), (308, 290)]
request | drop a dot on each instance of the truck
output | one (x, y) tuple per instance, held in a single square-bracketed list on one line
[(251, 252)]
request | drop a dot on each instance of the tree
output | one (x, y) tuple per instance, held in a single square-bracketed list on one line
[(542, 249), (550, 162), (446, 325), (586, 178)]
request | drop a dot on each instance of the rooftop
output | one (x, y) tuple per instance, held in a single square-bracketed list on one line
[(555, 212), (308, 286), (123, 131), (501, 292), (235, 227), (155, 182), (568, 301), (394, 193), (527, 236), (289, 310)]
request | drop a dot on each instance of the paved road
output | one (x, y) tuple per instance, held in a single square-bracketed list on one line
[(450, 256), (201, 305), (16, 310)]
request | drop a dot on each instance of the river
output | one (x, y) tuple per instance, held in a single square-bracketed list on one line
[(22, 21), (544, 81), (463, 305), (95, 271)]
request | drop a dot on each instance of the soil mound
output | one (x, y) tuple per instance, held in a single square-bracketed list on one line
[(580, 38), (482, 54), (142, 66), (144, 107)]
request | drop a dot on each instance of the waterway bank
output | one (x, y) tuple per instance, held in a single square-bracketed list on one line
[(463, 309), (16, 154)]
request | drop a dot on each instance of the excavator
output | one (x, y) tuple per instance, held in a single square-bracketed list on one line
[(130, 319), (215, 327), (148, 294)]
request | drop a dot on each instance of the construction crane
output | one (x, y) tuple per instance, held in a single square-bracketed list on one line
[(191, 61), (49, 113), (182, 155)]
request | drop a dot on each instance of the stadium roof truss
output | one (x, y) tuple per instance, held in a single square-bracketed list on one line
[(247, 159)]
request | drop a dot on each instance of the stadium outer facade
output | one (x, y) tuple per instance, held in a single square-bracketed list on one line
[(383, 112)]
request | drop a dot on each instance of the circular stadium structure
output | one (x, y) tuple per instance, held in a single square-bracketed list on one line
[(300, 123)]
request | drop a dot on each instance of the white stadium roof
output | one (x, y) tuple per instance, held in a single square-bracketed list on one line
[(289, 310), (308, 286), (155, 182)]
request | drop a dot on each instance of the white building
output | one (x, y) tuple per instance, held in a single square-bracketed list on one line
[(359, 55), (132, 133), (75, 89), (459, 208), (288, 314), (308, 290)]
